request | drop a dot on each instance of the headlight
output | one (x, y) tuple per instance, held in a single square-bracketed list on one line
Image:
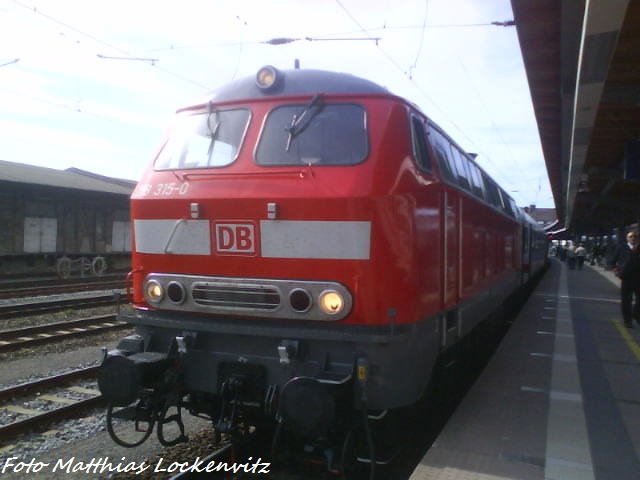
[(153, 291), (331, 302)]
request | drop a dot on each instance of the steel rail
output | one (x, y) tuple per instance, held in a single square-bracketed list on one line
[(48, 382), (56, 289), (49, 306), (60, 413), (52, 332)]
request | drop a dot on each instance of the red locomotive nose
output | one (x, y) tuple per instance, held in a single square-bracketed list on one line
[(306, 246)]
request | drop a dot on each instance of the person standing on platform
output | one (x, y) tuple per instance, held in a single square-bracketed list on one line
[(626, 265), (581, 253), (571, 256), (595, 253)]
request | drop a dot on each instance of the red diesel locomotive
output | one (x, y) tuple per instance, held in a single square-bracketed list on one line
[(305, 246)]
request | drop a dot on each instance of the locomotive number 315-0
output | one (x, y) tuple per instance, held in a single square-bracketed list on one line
[(164, 189)]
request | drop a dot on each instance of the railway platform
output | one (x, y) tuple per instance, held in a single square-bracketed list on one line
[(559, 399)]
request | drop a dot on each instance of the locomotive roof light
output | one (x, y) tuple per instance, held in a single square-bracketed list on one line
[(153, 291), (267, 78), (331, 302)]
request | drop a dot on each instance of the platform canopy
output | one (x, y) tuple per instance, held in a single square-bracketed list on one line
[(583, 65)]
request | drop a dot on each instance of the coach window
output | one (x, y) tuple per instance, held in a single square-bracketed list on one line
[(506, 202), (476, 180), (446, 169), (317, 133), (459, 163), (440, 147), (204, 140), (514, 206), (420, 150), (493, 195)]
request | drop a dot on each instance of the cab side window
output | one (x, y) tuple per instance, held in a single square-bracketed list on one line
[(460, 163), (442, 152), (476, 180), (419, 140)]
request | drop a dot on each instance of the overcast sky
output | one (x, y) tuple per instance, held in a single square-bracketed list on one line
[(94, 84)]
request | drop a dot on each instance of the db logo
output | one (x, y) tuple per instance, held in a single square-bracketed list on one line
[(234, 238)]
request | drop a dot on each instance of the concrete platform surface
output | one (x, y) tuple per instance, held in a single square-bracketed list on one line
[(560, 398)]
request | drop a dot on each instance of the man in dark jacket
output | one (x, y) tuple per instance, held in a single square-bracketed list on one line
[(626, 265)]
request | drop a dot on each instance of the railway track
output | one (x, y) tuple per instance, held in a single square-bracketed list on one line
[(39, 403), (213, 465), (15, 339), (12, 310), (34, 290)]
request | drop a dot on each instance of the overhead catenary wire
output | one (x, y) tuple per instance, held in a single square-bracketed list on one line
[(486, 110), (15, 60), (152, 61), (115, 52), (126, 54), (335, 36), (424, 25), (416, 85)]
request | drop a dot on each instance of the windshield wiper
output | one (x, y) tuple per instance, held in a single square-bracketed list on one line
[(297, 127), (213, 131)]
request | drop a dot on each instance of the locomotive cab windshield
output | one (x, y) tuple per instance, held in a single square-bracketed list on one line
[(205, 140), (332, 134), (320, 132)]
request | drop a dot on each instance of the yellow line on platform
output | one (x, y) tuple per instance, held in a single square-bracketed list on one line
[(631, 343)]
